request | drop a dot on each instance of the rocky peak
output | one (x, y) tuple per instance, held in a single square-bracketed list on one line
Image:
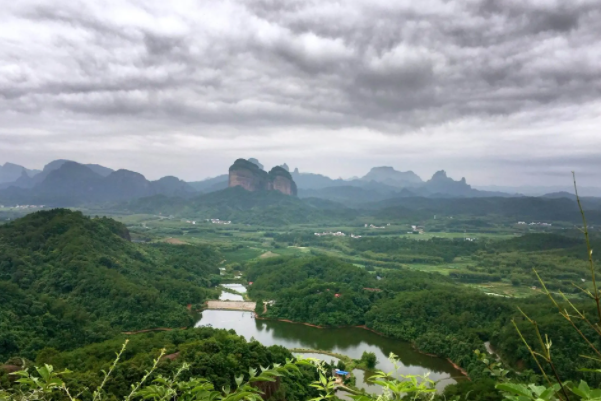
[(281, 180), (441, 183), (249, 176)]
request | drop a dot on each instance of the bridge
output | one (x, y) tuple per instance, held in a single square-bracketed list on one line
[(232, 305)]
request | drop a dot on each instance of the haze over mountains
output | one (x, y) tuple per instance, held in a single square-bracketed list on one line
[(68, 183)]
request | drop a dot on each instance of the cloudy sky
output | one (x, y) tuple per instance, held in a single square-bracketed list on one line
[(499, 91)]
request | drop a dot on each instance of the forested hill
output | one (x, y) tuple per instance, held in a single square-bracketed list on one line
[(67, 280), (437, 315), (269, 208)]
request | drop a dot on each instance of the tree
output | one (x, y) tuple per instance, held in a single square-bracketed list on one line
[(369, 359)]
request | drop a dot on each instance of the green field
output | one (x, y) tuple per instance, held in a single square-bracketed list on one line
[(241, 244)]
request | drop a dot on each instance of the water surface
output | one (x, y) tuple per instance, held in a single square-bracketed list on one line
[(227, 296), (236, 287), (347, 341)]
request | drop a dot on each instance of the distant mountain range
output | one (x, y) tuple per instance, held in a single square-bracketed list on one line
[(10, 172), (68, 183)]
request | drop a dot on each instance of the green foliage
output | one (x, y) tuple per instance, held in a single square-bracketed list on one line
[(46, 384), (263, 208), (526, 392), (476, 390), (369, 359), (68, 280), (405, 250), (317, 290), (408, 386)]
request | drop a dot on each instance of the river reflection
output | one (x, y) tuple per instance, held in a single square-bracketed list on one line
[(227, 296), (348, 341), (236, 287)]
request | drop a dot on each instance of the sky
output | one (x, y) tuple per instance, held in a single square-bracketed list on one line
[(502, 92)]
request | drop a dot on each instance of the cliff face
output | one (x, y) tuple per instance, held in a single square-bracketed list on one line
[(252, 178), (248, 175), (281, 180)]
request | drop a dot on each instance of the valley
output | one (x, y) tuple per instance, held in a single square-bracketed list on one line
[(300, 200), (429, 279)]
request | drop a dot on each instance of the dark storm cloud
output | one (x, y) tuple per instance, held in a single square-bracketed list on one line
[(364, 61), (214, 69)]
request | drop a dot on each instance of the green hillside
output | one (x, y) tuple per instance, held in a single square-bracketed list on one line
[(68, 280)]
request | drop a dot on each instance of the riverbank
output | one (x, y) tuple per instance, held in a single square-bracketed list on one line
[(351, 341), (350, 366), (344, 358), (364, 327)]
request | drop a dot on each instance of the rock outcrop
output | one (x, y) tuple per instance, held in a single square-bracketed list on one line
[(442, 184), (249, 176), (281, 180)]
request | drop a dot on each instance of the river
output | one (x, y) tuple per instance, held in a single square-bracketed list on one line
[(348, 341), (228, 296)]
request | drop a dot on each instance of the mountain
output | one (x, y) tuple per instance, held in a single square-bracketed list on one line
[(440, 183), (96, 168), (560, 194), (588, 202), (378, 184), (100, 170), (314, 181), (535, 190), (73, 280), (345, 194), (66, 183), (529, 209), (10, 172), (392, 177), (311, 181), (251, 177), (356, 192), (211, 184), (125, 184), (172, 186), (30, 181)]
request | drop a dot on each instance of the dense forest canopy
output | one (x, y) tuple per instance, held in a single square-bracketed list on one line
[(68, 280), (216, 355), (431, 311)]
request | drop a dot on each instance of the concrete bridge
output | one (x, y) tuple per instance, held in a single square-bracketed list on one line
[(232, 305)]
